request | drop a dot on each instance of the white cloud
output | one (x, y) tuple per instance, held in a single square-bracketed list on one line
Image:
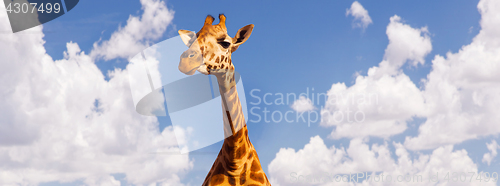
[(381, 103), (316, 159), (137, 34), (492, 147), (490, 29), (62, 121), (406, 44), (459, 98), (461, 91), (104, 181), (360, 14), (303, 104)]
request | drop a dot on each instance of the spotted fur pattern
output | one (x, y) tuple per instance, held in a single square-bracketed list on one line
[(237, 163)]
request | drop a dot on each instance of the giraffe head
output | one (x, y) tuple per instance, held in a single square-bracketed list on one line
[(210, 49)]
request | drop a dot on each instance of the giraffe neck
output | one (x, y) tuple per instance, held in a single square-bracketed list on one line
[(237, 162), (234, 119)]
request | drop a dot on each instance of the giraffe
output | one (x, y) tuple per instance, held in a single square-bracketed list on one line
[(210, 53)]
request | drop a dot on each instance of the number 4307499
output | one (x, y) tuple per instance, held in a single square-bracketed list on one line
[(32, 8)]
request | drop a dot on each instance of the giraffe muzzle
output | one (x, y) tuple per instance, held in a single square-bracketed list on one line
[(190, 61)]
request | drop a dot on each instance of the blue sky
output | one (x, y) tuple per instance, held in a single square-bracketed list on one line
[(298, 46)]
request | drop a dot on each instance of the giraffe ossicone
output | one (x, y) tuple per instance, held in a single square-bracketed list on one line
[(209, 53)]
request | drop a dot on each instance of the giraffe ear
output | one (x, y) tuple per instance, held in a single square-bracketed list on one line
[(186, 36), (241, 36)]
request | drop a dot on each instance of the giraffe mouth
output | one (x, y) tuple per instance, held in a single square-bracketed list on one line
[(192, 71), (188, 71), (203, 69)]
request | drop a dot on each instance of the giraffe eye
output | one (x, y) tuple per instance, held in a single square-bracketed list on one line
[(192, 55), (224, 44)]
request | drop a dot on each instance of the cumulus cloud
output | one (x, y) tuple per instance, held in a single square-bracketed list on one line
[(60, 120), (316, 160), (137, 34), (380, 103), (360, 14), (461, 91), (458, 99), (303, 104), (492, 147), (406, 44)]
